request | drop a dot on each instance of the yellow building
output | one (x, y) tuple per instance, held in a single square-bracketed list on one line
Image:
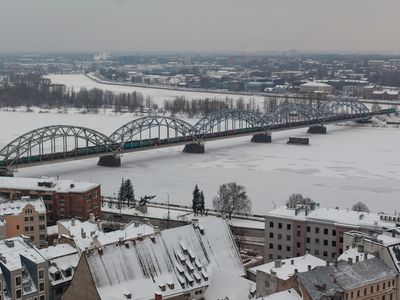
[(27, 217)]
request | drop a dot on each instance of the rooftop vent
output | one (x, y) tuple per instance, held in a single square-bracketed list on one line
[(9, 243), (72, 185), (128, 296)]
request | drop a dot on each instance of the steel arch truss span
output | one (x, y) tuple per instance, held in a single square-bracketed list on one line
[(343, 107), (289, 112), (142, 129), (54, 142), (226, 120)]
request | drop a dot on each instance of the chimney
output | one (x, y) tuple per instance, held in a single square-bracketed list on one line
[(278, 263), (350, 261), (365, 256), (158, 296), (327, 263), (309, 267), (91, 217), (357, 258), (292, 261), (336, 263), (83, 233), (295, 271)]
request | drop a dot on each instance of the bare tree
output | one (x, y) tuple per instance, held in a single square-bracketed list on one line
[(232, 199), (360, 206)]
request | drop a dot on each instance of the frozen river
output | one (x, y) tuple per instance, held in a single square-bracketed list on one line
[(338, 169)]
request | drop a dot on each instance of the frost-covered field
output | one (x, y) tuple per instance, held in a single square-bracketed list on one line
[(338, 169), (158, 95)]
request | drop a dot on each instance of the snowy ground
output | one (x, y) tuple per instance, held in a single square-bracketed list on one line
[(158, 95), (338, 169)]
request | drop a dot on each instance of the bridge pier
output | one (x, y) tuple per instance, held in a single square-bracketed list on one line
[(317, 129), (261, 138), (112, 160), (197, 148)]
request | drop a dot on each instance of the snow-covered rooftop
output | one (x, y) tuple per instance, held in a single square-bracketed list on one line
[(315, 84), (289, 294), (52, 184), (15, 207), (89, 234), (344, 276), (353, 254), (337, 216), (63, 259), (287, 267), (14, 248), (184, 256)]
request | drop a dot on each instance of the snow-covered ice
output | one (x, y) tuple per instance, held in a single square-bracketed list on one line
[(347, 165)]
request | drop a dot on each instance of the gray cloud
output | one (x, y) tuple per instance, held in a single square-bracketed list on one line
[(192, 25)]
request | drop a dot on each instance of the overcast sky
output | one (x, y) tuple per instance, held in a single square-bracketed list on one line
[(243, 26)]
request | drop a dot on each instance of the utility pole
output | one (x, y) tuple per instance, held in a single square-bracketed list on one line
[(168, 214)]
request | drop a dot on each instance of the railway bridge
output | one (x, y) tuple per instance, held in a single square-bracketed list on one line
[(58, 143)]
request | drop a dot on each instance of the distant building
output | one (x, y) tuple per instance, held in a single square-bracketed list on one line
[(315, 90), (26, 216), (296, 229), (279, 275), (368, 279), (63, 198), (177, 263), (23, 270)]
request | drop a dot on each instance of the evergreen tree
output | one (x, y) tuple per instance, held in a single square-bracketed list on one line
[(201, 203), (129, 192), (121, 193), (195, 200)]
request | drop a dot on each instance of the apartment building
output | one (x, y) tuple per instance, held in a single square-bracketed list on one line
[(296, 229), (26, 216), (23, 270), (368, 279), (63, 198)]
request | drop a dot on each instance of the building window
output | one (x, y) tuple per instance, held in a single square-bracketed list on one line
[(308, 229), (42, 237), (279, 247), (288, 237), (41, 274), (31, 228), (377, 287), (325, 253), (26, 228), (271, 256), (42, 217), (384, 285), (308, 240), (41, 297), (358, 293), (333, 254), (316, 252), (298, 233), (341, 240), (298, 244), (325, 231), (317, 241), (333, 232), (26, 219), (279, 236), (17, 227), (388, 283), (287, 248), (325, 242), (18, 294), (271, 224), (288, 226), (18, 280), (271, 246), (316, 229), (198, 292), (41, 286), (333, 243), (271, 235), (365, 291), (280, 225), (42, 227), (31, 219)]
